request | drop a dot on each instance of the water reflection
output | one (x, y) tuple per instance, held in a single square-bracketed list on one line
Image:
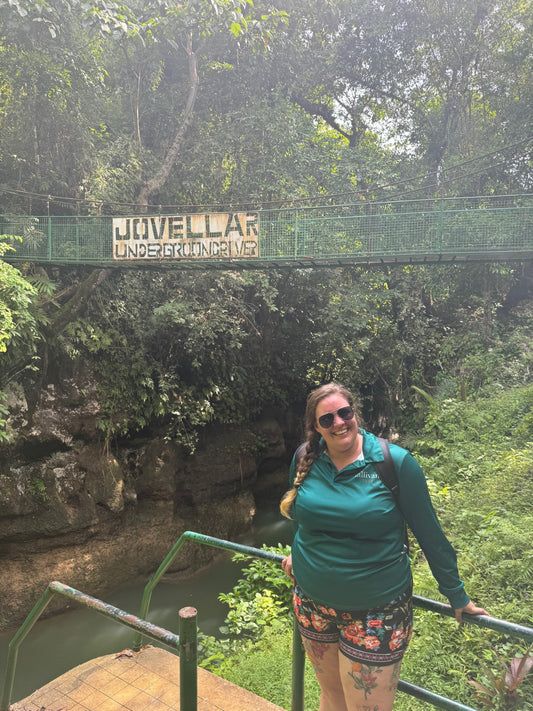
[(57, 644)]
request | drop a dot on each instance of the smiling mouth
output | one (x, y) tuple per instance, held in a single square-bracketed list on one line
[(341, 432)]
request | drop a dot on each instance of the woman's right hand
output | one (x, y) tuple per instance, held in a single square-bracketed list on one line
[(286, 564)]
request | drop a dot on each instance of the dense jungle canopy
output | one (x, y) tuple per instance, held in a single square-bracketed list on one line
[(106, 104), (106, 107), (115, 108)]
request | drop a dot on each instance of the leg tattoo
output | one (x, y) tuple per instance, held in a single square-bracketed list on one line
[(395, 676), (364, 677), (315, 652)]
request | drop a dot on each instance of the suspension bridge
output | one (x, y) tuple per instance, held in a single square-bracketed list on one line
[(488, 228)]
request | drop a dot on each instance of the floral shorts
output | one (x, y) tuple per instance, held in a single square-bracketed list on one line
[(378, 636)]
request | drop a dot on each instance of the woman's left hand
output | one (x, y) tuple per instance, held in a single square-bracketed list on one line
[(286, 564), (471, 609)]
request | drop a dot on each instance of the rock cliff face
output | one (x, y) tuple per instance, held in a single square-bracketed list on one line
[(97, 519)]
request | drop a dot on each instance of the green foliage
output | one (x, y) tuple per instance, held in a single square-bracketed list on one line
[(264, 667), (248, 617), (500, 691), (261, 598), (262, 595), (479, 427), (132, 397), (343, 99), (38, 489), (20, 321), (259, 577), (176, 352), (480, 453), (306, 101), (16, 298)]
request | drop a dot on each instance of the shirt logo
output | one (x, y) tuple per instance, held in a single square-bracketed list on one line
[(365, 475)]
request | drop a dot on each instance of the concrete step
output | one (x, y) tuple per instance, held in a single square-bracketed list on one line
[(147, 680)]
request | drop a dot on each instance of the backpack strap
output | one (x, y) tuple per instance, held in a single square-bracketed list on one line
[(387, 471), (389, 476)]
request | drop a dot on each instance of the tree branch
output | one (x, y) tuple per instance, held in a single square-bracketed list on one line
[(320, 110), (74, 305), (157, 182)]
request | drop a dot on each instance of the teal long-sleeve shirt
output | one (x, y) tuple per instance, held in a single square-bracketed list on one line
[(348, 550)]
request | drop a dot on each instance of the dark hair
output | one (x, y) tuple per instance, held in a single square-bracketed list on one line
[(312, 438)]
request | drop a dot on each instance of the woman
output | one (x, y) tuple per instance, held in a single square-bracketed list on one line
[(351, 570)]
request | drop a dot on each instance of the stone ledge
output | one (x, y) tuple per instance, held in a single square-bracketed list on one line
[(137, 681)]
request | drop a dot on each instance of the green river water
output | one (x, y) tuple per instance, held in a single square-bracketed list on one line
[(61, 642)]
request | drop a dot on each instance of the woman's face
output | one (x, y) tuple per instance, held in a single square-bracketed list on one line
[(341, 436)]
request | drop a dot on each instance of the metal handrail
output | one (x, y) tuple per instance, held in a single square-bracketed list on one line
[(502, 626), (185, 643)]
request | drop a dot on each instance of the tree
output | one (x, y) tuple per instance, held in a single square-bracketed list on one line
[(186, 31), (52, 83), (422, 75), (19, 331)]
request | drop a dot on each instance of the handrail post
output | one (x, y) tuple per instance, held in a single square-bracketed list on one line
[(298, 669), (188, 651), (11, 662), (147, 594)]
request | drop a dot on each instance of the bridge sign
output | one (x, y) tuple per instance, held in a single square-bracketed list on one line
[(168, 237)]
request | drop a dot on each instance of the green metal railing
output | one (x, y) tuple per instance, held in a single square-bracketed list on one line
[(186, 643), (298, 663), (448, 229)]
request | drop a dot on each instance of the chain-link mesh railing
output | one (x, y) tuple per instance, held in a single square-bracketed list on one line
[(498, 227)]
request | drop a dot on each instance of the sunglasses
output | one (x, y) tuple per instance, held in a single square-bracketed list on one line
[(345, 413)]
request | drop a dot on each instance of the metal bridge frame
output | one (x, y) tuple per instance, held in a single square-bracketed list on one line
[(432, 231)]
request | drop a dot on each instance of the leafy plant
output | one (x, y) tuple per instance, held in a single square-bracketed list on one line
[(500, 691), (20, 320), (259, 599), (38, 488), (248, 617), (261, 595)]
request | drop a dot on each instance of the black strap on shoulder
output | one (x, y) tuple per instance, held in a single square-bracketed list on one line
[(386, 469), (389, 476)]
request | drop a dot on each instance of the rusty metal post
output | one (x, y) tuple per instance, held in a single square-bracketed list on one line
[(188, 659)]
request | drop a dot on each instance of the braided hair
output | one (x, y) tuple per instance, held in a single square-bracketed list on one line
[(312, 445)]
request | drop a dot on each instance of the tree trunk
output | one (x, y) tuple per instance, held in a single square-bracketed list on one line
[(156, 183), (522, 288), (74, 305)]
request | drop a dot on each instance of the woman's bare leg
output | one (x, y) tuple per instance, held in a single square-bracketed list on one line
[(366, 687), (325, 660)]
